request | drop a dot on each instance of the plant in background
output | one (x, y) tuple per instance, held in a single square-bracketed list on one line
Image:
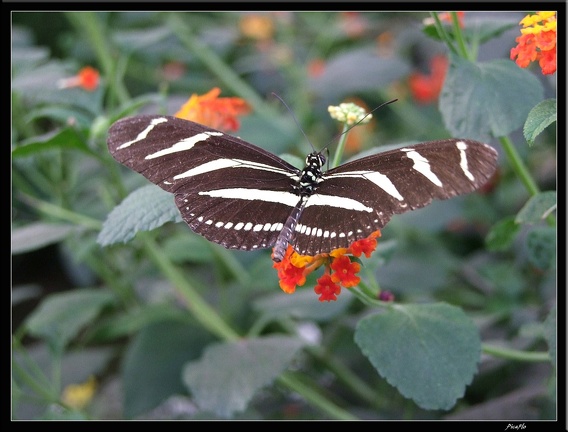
[(190, 330)]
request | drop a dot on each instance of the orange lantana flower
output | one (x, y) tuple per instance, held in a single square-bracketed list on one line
[(537, 42), (327, 289), (87, 78), (213, 111), (294, 268), (427, 88)]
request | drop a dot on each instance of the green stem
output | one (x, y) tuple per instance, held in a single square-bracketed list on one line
[(458, 34), (340, 147), (314, 398), (345, 375), (61, 213), (201, 310), (518, 165), (88, 23), (512, 354), (443, 33)]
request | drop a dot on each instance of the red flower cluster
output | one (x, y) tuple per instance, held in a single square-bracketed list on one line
[(213, 111), (340, 269), (427, 88), (537, 42)]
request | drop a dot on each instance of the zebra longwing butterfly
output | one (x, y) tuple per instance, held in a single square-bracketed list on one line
[(243, 197)]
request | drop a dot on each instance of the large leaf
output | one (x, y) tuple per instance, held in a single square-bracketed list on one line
[(60, 317), (144, 209), (480, 100), (229, 374), (428, 352)]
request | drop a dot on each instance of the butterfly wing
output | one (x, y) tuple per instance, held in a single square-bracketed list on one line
[(230, 191), (360, 196)]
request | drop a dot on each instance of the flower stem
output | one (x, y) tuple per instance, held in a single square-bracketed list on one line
[(335, 412), (512, 354), (518, 165), (340, 146)]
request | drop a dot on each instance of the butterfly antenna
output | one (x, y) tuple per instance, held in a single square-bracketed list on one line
[(295, 119), (336, 137)]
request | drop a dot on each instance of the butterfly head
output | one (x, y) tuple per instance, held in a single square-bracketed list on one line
[(315, 160)]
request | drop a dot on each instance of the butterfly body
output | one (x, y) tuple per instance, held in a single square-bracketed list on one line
[(243, 197)]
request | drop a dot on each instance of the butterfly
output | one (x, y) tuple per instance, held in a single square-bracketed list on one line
[(243, 197)]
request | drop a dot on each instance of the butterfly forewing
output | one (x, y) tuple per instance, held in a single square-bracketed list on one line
[(241, 196), (229, 191)]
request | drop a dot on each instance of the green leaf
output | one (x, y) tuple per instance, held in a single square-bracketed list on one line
[(502, 234), (428, 352), (195, 249), (67, 138), (541, 243), (537, 208), (38, 235), (304, 304), (539, 118), (144, 209), (480, 100), (153, 364), (60, 317), (229, 374)]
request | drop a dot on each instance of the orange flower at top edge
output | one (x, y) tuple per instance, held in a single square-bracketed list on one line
[(87, 78), (446, 16), (213, 111), (427, 88), (294, 268), (537, 42)]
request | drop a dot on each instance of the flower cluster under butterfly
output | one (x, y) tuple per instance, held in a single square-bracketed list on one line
[(341, 268)]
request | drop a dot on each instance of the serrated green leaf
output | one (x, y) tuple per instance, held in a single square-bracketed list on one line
[(153, 364), (144, 209), (537, 208), (38, 235), (60, 317), (502, 234), (480, 100), (229, 374), (541, 243), (539, 118), (428, 352)]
